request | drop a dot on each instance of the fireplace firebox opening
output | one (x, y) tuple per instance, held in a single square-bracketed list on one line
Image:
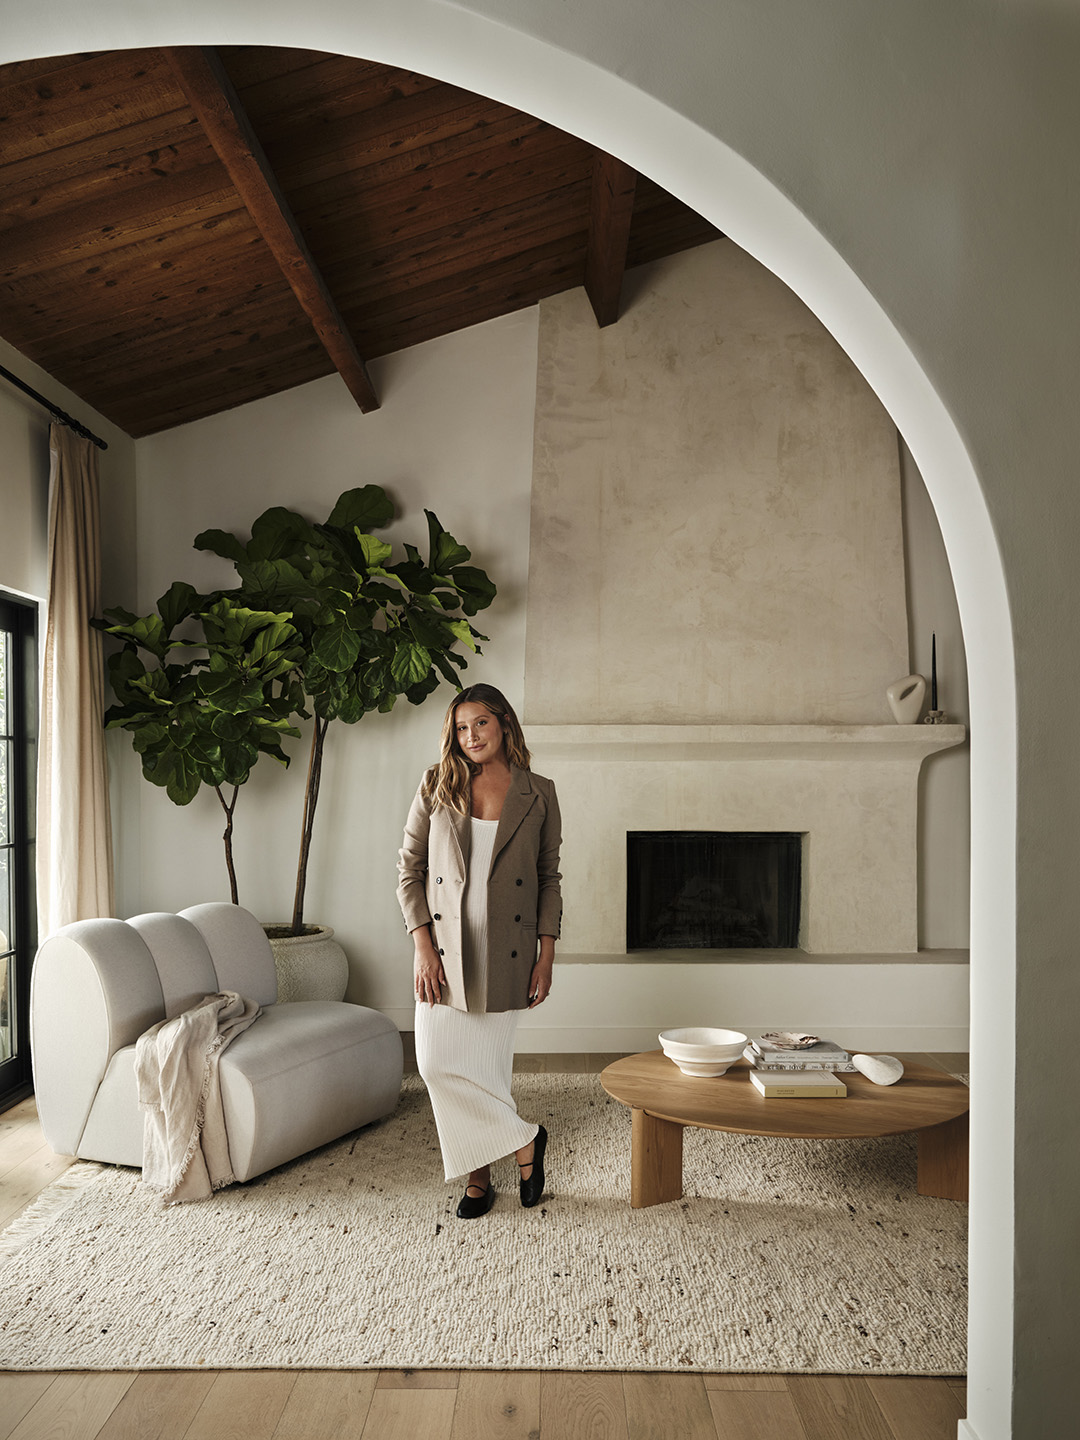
[(713, 890)]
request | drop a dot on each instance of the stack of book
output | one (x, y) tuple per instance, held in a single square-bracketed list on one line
[(785, 1069), (771, 1053)]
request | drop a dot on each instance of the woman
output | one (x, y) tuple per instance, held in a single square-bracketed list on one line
[(479, 891)]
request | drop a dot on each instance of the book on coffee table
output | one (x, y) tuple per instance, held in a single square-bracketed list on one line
[(798, 1084), (770, 1053)]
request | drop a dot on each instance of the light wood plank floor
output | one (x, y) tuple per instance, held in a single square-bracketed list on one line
[(448, 1404)]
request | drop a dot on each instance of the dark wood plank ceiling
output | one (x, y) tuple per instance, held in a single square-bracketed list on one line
[(131, 269)]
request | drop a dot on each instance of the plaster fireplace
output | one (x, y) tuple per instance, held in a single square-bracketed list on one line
[(718, 598), (851, 791)]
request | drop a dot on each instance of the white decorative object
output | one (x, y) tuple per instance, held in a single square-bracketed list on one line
[(906, 698), (881, 1069), (700, 1050), (309, 967)]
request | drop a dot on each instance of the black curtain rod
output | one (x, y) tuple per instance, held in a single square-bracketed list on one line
[(54, 410)]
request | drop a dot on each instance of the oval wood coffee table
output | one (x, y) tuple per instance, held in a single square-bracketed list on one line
[(663, 1101)]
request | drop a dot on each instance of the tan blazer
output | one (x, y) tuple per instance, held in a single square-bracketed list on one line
[(524, 899)]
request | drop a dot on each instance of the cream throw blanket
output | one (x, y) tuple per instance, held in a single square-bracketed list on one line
[(185, 1147)]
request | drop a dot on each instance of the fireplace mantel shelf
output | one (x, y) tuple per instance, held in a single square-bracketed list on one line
[(800, 958), (911, 743)]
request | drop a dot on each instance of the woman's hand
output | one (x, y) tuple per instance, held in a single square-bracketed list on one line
[(540, 980), (428, 974)]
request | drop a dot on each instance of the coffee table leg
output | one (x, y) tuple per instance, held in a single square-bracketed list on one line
[(655, 1160), (943, 1160)]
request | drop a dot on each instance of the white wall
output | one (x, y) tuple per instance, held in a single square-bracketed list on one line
[(454, 435), (945, 782)]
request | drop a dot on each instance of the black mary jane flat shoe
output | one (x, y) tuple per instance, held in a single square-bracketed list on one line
[(533, 1187), (471, 1207)]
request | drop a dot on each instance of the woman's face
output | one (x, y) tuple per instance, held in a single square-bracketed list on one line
[(478, 732)]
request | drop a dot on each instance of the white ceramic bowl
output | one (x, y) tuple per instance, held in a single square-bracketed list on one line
[(700, 1050)]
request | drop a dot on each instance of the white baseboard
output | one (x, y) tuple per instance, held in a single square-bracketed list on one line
[(964, 1431), (534, 1038)]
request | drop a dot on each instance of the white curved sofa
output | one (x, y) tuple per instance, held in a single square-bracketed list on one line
[(302, 1075)]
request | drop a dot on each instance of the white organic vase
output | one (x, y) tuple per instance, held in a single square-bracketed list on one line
[(309, 967), (906, 698)]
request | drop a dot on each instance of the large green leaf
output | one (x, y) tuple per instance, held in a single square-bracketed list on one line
[(463, 631), (446, 662), (366, 508), (148, 736), (414, 575), (417, 694), (337, 645), (237, 758), (430, 630), (278, 581), (410, 664), (352, 708), (118, 618), (204, 750), (227, 726), (178, 602), (277, 532), (178, 774), (220, 542), (476, 588), (375, 552), (444, 552)]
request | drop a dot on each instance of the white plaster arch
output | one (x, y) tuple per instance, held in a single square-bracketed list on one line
[(454, 42)]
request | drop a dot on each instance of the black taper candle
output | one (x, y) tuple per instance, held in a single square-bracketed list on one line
[(933, 672)]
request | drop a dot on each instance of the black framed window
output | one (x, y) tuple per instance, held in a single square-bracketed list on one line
[(18, 770)]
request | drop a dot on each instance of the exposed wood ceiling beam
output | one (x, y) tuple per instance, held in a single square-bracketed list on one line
[(220, 111), (611, 211)]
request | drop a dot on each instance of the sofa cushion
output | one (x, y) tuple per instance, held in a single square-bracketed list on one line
[(243, 960), (304, 1074), (183, 962)]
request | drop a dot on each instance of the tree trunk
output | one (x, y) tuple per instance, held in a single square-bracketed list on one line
[(227, 837), (311, 799)]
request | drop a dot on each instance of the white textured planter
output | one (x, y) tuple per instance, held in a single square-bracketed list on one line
[(309, 967)]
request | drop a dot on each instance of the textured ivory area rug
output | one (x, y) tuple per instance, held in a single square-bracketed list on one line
[(784, 1255)]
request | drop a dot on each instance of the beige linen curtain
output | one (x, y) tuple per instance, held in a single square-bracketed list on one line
[(74, 840)]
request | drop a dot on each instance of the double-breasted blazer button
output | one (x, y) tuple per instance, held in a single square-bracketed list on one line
[(438, 880), (442, 952), (513, 954), (516, 918), (436, 917), (519, 882)]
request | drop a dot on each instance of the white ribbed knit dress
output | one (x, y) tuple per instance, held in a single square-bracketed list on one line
[(466, 1058)]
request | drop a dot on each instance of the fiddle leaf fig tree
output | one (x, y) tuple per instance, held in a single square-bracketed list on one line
[(370, 629), (214, 699)]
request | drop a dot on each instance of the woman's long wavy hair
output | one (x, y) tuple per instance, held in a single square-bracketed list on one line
[(454, 772)]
